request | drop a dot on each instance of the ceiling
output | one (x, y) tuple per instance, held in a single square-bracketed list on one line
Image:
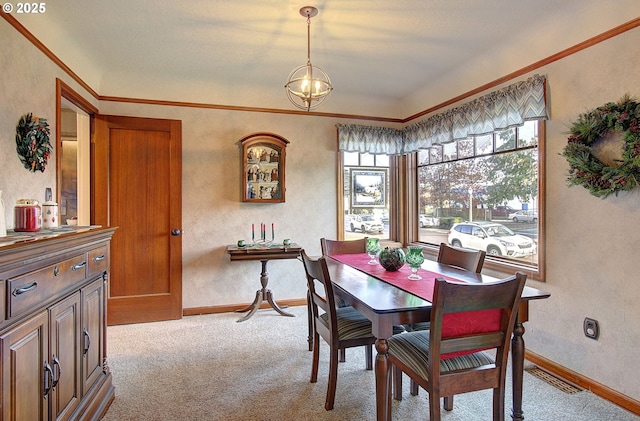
[(385, 58)]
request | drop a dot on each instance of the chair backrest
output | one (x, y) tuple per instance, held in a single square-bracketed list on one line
[(471, 260), (464, 304), (318, 276), (331, 247)]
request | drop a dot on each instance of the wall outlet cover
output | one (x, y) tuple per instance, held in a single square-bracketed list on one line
[(591, 328)]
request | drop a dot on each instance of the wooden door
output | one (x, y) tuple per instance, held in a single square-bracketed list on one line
[(137, 187)]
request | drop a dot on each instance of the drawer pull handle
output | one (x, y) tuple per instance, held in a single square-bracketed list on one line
[(78, 265), (57, 373), (98, 258), (18, 291), (56, 271), (87, 341), (48, 376)]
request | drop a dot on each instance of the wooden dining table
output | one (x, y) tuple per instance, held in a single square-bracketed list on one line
[(387, 305)]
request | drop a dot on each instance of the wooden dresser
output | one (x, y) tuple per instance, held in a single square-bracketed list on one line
[(53, 326)]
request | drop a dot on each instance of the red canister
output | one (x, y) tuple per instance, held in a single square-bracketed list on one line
[(27, 216)]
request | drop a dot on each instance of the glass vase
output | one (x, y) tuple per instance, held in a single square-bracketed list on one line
[(373, 248), (415, 260)]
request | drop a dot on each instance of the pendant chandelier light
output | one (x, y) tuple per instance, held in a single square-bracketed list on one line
[(308, 86)]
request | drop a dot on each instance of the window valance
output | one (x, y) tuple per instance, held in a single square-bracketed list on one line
[(369, 139), (499, 110)]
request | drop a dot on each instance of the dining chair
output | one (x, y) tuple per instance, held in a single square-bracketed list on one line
[(447, 360), (461, 258), (328, 248), (466, 259), (340, 327)]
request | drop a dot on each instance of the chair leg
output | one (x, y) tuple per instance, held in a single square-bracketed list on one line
[(343, 354), (448, 403), (434, 406), (498, 403), (333, 379), (397, 383), (413, 386), (310, 321), (316, 358), (368, 355)]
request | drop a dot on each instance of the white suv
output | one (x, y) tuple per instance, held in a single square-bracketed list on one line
[(365, 223), (495, 239)]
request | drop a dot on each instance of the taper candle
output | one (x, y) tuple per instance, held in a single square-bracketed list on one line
[(273, 232), (253, 232)]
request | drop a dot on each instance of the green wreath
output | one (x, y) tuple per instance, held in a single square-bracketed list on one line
[(32, 142), (585, 168)]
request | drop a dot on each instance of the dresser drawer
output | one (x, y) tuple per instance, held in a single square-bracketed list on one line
[(27, 291), (98, 261)]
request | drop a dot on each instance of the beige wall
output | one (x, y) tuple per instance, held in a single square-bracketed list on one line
[(591, 243), (214, 216)]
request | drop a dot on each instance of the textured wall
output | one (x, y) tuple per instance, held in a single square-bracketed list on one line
[(591, 243), (27, 85)]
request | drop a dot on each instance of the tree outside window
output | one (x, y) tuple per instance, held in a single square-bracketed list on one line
[(483, 180)]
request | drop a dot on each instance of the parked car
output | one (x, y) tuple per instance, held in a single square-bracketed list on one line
[(524, 216), (364, 223), (495, 239), (501, 212), (428, 221)]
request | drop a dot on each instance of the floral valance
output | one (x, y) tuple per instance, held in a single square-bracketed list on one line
[(499, 110), (369, 139)]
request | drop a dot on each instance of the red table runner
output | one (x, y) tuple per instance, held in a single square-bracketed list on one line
[(422, 288), (453, 324)]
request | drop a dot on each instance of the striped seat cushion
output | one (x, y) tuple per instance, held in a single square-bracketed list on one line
[(413, 349), (352, 324)]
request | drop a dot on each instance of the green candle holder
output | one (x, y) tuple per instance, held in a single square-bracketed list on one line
[(415, 258), (373, 248)]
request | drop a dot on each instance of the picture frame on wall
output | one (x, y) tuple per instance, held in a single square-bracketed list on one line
[(368, 188), (263, 161)]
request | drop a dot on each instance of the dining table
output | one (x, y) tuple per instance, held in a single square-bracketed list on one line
[(387, 304)]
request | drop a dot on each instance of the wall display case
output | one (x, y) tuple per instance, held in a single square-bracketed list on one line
[(263, 167)]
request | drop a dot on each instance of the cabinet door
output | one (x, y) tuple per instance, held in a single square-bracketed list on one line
[(93, 305), (24, 377), (65, 358)]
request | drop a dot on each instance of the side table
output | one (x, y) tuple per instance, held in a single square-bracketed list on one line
[(264, 254)]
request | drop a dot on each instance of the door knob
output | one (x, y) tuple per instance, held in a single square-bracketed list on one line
[(175, 231)]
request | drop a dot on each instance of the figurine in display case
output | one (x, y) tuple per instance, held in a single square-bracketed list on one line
[(263, 166)]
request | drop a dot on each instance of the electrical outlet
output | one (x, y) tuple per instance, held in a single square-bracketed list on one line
[(591, 328)]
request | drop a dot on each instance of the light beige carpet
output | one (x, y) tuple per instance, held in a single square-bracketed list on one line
[(211, 368)]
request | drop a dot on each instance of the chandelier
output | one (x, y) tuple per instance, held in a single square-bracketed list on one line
[(308, 86)]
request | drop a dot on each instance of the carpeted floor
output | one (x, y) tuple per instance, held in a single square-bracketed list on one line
[(211, 368)]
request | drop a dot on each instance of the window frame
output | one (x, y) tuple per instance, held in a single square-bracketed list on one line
[(497, 264), (394, 193)]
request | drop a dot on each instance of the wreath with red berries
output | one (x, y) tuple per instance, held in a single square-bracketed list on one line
[(587, 170), (32, 142)]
